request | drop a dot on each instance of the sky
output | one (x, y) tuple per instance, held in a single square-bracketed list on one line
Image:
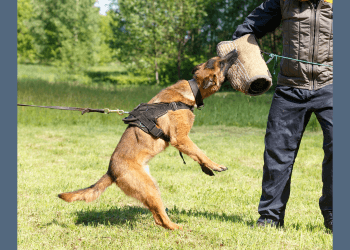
[(103, 4)]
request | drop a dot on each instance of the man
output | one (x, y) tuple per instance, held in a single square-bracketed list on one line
[(301, 89)]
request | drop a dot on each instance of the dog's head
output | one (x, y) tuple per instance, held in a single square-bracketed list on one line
[(212, 74)]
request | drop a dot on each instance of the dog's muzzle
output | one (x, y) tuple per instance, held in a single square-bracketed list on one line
[(249, 74)]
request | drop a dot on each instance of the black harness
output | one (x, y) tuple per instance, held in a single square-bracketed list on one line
[(145, 116)]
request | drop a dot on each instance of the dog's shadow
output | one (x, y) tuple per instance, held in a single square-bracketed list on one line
[(115, 216), (128, 215)]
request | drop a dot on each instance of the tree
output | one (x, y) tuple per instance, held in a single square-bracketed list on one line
[(106, 53), (154, 33), (165, 39), (139, 32), (222, 19), (188, 17), (67, 32), (25, 41)]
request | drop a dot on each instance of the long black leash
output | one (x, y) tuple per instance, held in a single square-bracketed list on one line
[(82, 110)]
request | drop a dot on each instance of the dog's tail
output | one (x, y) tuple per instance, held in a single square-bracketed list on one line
[(88, 194)]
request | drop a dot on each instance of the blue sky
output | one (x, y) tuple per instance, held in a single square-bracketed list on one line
[(103, 5)]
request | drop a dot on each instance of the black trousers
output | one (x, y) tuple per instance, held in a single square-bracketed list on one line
[(290, 112)]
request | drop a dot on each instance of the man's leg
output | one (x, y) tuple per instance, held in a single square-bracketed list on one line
[(325, 117), (287, 120), (326, 200)]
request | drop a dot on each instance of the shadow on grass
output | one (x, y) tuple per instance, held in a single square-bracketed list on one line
[(127, 215), (115, 216), (310, 227), (208, 215), (101, 75)]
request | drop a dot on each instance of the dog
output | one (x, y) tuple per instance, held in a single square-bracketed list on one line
[(128, 164)]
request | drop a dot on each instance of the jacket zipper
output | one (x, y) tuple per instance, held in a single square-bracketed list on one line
[(318, 6), (313, 50)]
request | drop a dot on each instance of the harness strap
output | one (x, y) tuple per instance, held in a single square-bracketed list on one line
[(151, 126), (145, 117), (196, 93), (182, 157)]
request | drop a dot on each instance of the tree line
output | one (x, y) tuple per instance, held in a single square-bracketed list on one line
[(160, 39)]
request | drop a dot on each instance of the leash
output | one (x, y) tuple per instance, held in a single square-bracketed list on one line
[(192, 83), (87, 110), (83, 110), (274, 56)]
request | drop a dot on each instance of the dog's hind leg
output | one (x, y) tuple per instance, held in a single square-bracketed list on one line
[(140, 185)]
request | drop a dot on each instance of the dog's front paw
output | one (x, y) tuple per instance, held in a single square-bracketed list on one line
[(216, 167), (209, 169), (220, 168)]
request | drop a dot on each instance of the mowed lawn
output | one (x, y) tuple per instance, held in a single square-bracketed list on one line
[(61, 151)]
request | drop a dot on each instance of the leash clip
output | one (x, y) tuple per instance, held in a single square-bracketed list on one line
[(118, 111), (270, 59)]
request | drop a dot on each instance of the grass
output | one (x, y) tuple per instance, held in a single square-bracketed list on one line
[(112, 74), (216, 212), (62, 151)]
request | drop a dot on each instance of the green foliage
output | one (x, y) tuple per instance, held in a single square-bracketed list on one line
[(166, 39), (221, 21), (26, 51), (153, 34), (67, 33), (106, 53), (159, 41)]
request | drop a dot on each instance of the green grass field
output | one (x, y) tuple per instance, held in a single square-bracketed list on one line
[(61, 151)]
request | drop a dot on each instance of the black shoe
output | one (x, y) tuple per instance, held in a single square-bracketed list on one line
[(328, 219), (271, 223)]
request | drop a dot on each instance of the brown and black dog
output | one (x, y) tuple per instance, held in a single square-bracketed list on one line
[(127, 167)]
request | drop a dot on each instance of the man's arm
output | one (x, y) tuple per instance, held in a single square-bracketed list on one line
[(265, 18)]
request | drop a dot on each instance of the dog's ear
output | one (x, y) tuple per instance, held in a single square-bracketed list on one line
[(196, 68), (210, 64), (231, 56), (228, 61), (222, 65)]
